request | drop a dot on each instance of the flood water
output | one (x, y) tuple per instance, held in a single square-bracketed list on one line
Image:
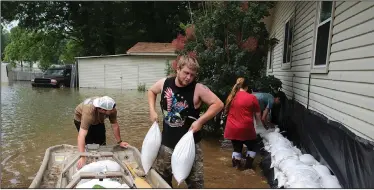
[(34, 119)]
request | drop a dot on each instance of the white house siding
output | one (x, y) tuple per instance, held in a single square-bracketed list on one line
[(294, 79), (346, 92), (91, 75), (121, 72)]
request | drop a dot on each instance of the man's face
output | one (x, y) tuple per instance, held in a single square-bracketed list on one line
[(277, 100), (105, 112), (185, 76)]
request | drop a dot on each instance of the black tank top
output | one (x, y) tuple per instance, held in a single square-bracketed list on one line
[(178, 112)]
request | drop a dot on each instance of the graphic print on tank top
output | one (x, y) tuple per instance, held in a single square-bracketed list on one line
[(176, 105)]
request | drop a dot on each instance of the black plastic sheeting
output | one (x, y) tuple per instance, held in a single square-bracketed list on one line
[(348, 156), (267, 171)]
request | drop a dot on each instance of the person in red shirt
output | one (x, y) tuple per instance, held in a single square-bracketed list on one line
[(240, 108)]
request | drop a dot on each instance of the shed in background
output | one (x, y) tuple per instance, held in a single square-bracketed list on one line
[(144, 63)]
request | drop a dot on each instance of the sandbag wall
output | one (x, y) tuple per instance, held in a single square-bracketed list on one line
[(348, 156), (289, 168)]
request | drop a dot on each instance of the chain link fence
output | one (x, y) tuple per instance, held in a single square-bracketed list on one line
[(23, 74)]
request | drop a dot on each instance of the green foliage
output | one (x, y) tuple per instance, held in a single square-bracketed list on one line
[(268, 84), (101, 27), (230, 41), (98, 187), (5, 40), (71, 50), (31, 46), (141, 87), (168, 68)]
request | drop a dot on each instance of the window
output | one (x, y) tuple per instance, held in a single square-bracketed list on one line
[(287, 44), (323, 33), (270, 65)]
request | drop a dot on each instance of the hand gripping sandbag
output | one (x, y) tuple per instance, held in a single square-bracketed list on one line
[(183, 157), (150, 147)]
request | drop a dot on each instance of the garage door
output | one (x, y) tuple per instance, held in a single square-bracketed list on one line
[(130, 77), (112, 76), (121, 76)]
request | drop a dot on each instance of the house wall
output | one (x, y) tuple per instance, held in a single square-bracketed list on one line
[(121, 72), (344, 93)]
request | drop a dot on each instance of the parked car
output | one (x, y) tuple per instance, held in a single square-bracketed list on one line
[(56, 76)]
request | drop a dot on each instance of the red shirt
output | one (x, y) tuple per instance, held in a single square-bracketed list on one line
[(239, 124)]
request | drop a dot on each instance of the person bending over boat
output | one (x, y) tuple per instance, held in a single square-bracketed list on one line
[(89, 120), (181, 100), (240, 108)]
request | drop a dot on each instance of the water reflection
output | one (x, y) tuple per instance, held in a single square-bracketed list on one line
[(33, 119)]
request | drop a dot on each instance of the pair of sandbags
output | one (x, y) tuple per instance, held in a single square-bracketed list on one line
[(182, 158)]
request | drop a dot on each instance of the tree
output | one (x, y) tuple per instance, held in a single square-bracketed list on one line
[(229, 40), (5, 39), (101, 27), (31, 46), (71, 50)]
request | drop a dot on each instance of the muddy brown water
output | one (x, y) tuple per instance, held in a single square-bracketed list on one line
[(34, 119)]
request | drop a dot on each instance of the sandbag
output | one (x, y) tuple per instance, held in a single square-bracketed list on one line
[(288, 163), (297, 150), (106, 183), (282, 179), (183, 157), (303, 184), (282, 155), (100, 166), (150, 147), (96, 167), (302, 173), (322, 170), (330, 181), (308, 159)]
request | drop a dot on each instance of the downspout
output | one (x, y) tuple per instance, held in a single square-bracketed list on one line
[(307, 105)]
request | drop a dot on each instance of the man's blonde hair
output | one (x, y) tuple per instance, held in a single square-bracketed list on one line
[(188, 61)]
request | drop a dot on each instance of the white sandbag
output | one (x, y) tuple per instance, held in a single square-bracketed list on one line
[(276, 173), (308, 159), (303, 173), (279, 175), (282, 155), (282, 179), (100, 166), (279, 139), (106, 183), (303, 184), (288, 163), (322, 170), (270, 135), (151, 146), (183, 157), (279, 147), (298, 151), (330, 181)]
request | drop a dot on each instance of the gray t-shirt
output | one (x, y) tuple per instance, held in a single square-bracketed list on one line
[(265, 100)]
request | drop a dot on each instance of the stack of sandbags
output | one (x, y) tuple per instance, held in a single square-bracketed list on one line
[(292, 169)]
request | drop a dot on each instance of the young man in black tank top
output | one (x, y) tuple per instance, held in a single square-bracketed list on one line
[(181, 99)]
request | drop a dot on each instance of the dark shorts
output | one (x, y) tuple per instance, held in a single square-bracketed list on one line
[(162, 165), (238, 145), (95, 134)]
